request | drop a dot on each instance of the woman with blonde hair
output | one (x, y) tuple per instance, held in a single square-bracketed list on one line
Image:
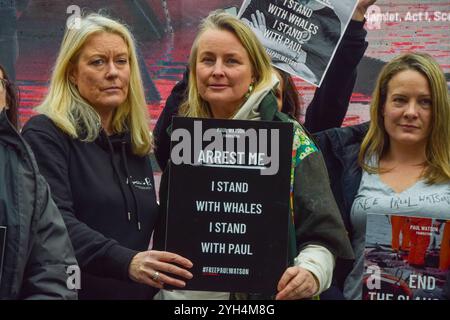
[(402, 153), (92, 144), (231, 78)]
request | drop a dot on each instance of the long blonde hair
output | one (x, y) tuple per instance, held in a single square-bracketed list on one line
[(376, 141), (195, 106), (73, 114)]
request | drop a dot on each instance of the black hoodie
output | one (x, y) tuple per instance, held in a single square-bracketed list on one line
[(107, 198)]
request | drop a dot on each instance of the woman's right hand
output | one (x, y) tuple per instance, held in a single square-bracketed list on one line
[(155, 267)]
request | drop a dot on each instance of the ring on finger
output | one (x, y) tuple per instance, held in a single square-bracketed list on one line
[(155, 276)]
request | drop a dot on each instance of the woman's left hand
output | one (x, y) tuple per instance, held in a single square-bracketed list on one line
[(296, 283)]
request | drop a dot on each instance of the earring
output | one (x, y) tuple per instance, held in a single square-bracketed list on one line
[(72, 80), (250, 90)]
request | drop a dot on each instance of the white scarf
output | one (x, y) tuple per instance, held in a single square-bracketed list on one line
[(250, 109)]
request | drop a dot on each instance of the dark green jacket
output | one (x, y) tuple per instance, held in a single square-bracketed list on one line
[(37, 248), (316, 215)]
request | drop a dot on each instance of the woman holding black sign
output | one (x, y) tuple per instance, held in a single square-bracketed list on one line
[(231, 78)]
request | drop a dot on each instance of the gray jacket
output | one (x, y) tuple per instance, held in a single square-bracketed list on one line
[(37, 250)]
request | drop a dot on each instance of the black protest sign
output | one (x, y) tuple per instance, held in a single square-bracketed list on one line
[(300, 36), (228, 203)]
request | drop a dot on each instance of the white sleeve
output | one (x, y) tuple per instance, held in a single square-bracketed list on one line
[(320, 261)]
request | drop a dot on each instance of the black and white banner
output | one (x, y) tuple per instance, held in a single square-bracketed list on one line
[(301, 36)]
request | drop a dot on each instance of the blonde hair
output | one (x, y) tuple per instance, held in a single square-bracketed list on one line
[(195, 106), (73, 114), (376, 141)]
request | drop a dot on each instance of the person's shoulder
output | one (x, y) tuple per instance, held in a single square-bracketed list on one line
[(344, 135), (303, 145), (42, 123), (353, 134), (37, 122)]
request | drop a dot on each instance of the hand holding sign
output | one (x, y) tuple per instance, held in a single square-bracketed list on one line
[(151, 268), (296, 283)]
